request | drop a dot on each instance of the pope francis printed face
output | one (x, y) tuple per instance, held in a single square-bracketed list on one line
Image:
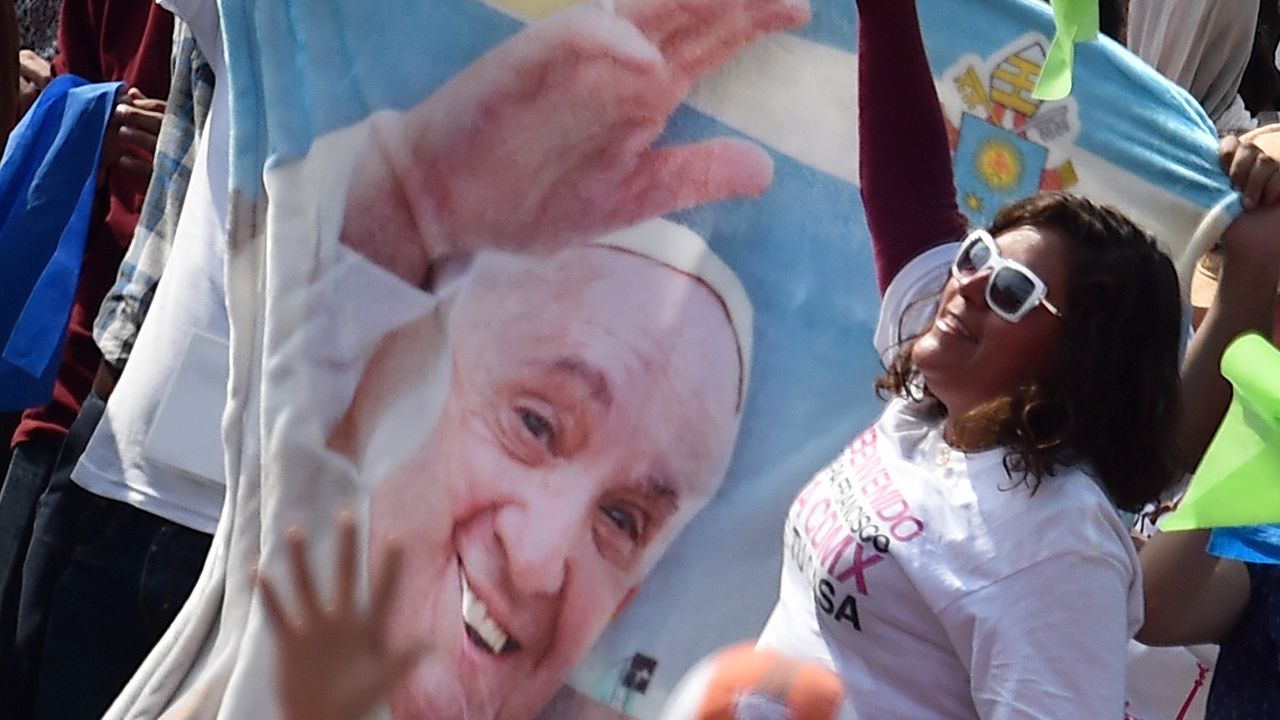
[(591, 408)]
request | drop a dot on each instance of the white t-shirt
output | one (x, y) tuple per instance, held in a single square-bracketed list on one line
[(937, 588), (159, 444)]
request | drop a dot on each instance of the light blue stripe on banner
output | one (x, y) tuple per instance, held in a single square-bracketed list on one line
[(834, 24), (802, 252), (244, 64), (327, 73), (322, 77)]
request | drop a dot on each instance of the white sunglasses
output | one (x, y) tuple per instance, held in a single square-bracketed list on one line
[(1013, 290)]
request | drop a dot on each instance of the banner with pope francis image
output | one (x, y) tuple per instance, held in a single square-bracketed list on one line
[(569, 300)]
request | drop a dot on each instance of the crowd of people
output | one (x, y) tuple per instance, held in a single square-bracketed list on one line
[(1013, 427)]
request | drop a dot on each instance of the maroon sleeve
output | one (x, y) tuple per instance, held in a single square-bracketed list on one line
[(78, 41), (9, 75), (907, 187)]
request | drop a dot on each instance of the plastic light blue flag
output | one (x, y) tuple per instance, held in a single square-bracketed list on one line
[(47, 182), (1257, 544)]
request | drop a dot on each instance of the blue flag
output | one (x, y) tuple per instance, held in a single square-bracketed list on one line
[(47, 183)]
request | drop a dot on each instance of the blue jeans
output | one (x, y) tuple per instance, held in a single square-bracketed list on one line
[(32, 466), (1246, 678), (101, 583), (28, 476)]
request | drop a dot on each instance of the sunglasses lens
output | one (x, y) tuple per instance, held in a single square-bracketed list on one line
[(1009, 290), (973, 256)]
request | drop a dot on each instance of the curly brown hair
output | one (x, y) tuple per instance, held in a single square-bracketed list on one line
[(1110, 399)]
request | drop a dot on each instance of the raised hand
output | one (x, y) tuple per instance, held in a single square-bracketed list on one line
[(34, 73), (547, 140), (333, 663), (1251, 161), (132, 134)]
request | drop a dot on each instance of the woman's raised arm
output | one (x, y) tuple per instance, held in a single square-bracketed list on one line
[(907, 185)]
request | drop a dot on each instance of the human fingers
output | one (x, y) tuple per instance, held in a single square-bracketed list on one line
[(681, 177), (34, 69), (1242, 163), (587, 98), (703, 52), (134, 166), (149, 104), (1227, 147), (387, 585), (543, 89), (697, 36), (139, 139), (1271, 191), (303, 582), (386, 678), (111, 146), (598, 64), (346, 567), (1260, 173), (141, 117)]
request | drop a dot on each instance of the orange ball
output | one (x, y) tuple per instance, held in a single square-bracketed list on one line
[(743, 683)]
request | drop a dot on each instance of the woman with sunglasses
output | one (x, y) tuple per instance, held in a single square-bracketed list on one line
[(963, 557)]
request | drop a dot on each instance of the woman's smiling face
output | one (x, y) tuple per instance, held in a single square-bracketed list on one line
[(969, 355)]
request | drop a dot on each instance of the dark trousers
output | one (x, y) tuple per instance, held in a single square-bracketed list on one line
[(8, 425), (32, 465), (25, 482), (101, 583)]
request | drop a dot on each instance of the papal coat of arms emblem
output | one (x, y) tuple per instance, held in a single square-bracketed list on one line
[(1006, 144)]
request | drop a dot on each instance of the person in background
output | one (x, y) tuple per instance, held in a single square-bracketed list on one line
[(1260, 86), (30, 30), (10, 78), (38, 40), (136, 52), (1113, 19), (100, 41), (38, 27), (1194, 595), (1202, 45), (152, 565)]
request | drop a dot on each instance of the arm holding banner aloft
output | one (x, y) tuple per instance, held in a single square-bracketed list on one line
[(548, 139), (1192, 596), (907, 185), (1245, 297)]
